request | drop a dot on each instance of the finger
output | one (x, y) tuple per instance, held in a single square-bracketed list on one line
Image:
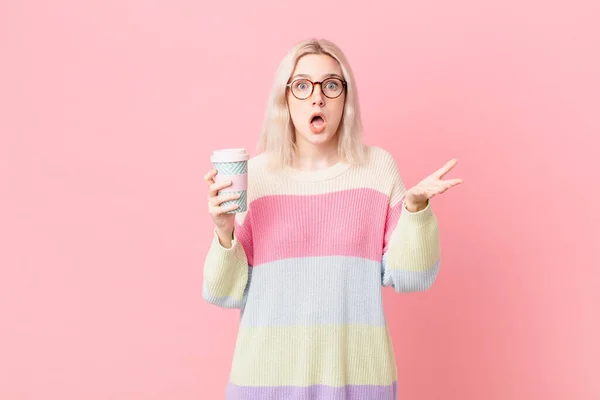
[(442, 186), (215, 187), (223, 209), (453, 182), (218, 200), (219, 185), (209, 176), (446, 168), (447, 184)]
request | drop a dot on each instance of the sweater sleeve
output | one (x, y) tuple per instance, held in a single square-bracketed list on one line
[(411, 252), (227, 270)]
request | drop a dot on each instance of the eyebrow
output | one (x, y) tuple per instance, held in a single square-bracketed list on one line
[(324, 77)]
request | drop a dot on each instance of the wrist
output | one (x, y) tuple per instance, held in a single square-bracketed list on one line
[(415, 207), (225, 237), (226, 233)]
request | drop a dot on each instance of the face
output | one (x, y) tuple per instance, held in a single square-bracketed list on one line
[(317, 117)]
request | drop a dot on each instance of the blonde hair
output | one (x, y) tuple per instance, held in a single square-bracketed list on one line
[(277, 134)]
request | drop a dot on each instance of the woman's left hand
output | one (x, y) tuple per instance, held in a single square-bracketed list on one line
[(418, 196)]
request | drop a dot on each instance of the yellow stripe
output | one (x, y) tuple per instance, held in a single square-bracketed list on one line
[(415, 243), (333, 355), (226, 270)]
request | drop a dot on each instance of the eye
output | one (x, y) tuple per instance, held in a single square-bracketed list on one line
[(331, 85), (301, 85)]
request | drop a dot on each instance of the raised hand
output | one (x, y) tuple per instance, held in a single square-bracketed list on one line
[(417, 197)]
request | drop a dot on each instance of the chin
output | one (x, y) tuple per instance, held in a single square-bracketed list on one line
[(319, 138)]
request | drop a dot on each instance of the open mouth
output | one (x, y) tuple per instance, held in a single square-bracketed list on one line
[(317, 122)]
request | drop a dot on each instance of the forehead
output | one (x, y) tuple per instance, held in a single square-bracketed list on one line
[(317, 66)]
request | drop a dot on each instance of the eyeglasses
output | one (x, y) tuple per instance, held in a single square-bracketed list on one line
[(331, 88)]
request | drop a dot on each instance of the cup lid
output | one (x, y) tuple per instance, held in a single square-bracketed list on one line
[(229, 155)]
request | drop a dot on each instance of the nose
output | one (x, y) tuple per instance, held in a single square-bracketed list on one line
[(317, 96)]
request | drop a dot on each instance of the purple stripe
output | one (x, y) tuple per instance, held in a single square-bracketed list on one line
[(316, 392)]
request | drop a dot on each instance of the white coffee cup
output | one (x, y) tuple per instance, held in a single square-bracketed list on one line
[(232, 165)]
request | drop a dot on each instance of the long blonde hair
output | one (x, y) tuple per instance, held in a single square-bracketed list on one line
[(277, 135)]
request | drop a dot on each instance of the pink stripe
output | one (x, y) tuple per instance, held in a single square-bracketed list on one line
[(346, 223), (391, 221), (239, 182), (243, 233)]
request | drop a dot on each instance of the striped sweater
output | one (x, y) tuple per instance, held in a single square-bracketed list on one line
[(306, 268)]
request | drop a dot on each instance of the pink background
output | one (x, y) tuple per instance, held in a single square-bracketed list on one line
[(109, 111)]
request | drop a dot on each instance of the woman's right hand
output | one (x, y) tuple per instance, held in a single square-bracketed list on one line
[(223, 221)]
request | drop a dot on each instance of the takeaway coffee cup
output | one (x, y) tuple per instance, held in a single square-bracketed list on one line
[(232, 165)]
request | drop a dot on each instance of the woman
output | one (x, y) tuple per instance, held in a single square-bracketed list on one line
[(328, 223)]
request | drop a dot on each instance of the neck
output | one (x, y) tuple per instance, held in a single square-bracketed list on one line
[(310, 157)]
